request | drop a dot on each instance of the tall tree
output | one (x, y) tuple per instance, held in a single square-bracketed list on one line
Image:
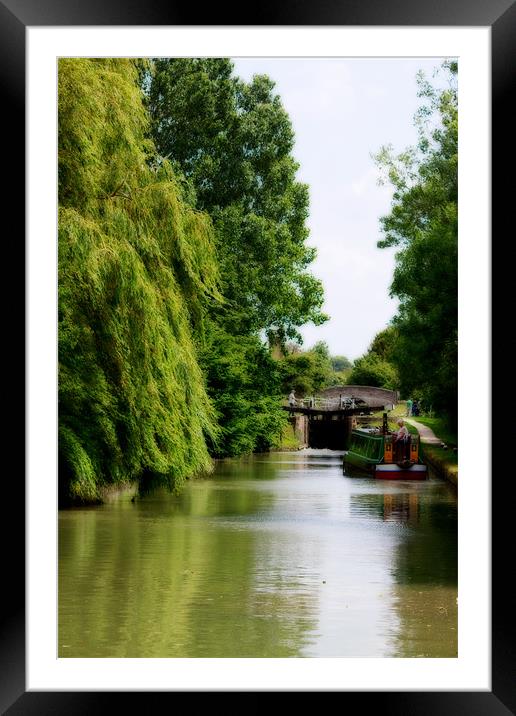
[(233, 142), (423, 224), (372, 369), (136, 270), (377, 366), (307, 372), (384, 343)]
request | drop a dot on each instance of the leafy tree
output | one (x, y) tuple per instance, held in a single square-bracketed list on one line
[(244, 386), (384, 343), (233, 140), (308, 372), (376, 366), (322, 350), (233, 143), (297, 372), (373, 370), (423, 224), (137, 269), (340, 363)]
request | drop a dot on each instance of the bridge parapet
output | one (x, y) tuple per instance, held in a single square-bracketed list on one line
[(333, 403), (344, 411), (369, 393), (341, 397)]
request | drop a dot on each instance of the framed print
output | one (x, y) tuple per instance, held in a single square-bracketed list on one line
[(37, 675)]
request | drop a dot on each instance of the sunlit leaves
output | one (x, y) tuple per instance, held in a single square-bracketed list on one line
[(137, 268), (423, 223)]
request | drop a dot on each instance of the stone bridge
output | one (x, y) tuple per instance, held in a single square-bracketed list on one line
[(324, 423)]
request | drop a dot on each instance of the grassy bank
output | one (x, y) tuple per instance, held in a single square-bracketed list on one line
[(288, 440), (444, 460), (441, 429)]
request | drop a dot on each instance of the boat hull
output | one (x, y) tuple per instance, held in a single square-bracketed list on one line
[(357, 462), (382, 471), (395, 472)]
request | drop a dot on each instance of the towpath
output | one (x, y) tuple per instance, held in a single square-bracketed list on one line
[(427, 435)]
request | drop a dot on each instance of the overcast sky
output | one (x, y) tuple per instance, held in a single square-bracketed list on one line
[(342, 110)]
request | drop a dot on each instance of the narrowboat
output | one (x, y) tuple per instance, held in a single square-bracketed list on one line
[(376, 452)]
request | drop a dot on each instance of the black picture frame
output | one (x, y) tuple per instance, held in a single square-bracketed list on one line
[(500, 16)]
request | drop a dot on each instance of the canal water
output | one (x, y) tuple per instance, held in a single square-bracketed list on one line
[(276, 555)]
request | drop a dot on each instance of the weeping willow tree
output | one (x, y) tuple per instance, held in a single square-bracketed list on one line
[(137, 268)]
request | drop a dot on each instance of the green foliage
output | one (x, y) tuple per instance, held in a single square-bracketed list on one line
[(384, 343), (243, 383), (341, 377), (182, 245), (441, 428), (373, 370), (340, 363), (289, 440), (376, 367), (233, 141), (423, 223), (308, 372), (311, 371), (136, 269)]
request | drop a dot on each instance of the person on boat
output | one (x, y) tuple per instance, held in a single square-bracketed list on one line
[(402, 434), (401, 438)]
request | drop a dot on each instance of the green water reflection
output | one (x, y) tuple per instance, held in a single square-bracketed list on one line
[(278, 555)]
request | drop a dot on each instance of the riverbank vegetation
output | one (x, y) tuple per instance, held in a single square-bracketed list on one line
[(440, 428), (184, 270), (444, 457), (232, 141), (443, 461), (422, 224), (182, 252), (377, 367), (137, 269), (310, 371)]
